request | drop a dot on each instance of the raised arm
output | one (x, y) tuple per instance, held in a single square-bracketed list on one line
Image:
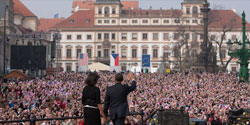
[(133, 85)]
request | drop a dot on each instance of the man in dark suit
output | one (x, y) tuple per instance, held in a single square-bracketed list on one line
[(116, 99)]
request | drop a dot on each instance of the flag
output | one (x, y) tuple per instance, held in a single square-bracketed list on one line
[(145, 60), (83, 59), (114, 60)]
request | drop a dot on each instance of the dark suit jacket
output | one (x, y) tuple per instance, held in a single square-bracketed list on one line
[(116, 100)]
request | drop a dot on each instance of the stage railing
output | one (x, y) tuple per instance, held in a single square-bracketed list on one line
[(33, 121)]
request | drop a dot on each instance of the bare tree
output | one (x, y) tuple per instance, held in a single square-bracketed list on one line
[(226, 27)]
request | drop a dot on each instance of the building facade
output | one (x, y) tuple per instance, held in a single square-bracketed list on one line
[(109, 28), (7, 14)]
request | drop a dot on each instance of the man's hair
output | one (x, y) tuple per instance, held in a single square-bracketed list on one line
[(119, 77), (92, 79)]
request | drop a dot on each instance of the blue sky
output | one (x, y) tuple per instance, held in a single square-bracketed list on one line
[(48, 8)]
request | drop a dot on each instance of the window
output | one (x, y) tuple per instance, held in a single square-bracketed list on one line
[(124, 36), (89, 53), (77, 67), (165, 54), (79, 37), (177, 20), (213, 37), (123, 68), (68, 68), (155, 21), (68, 37), (113, 36), (124, 21), (233, 69), (89, 37), (113, 21), (176, 36), (99, 54), (134, 36), (155, 53), (201, 36), (106, 36), (144, 36), (59, 53), (113, 11), (187, 36), (99, 36), (166, 36), (124, 53), (144, 21), (68, 53), (134, 53), (78, 51), (155, 36), (106, 52), (194, 52), (195, 10), (144, 51), (233, 37), (99, 11), (99, 21), (223, 54), (187, 21), (106, 10), (134, 21), (106, 21), (188, 10), (166, 21), (194, 37), (99, 46), (195, 21), (113, 47)]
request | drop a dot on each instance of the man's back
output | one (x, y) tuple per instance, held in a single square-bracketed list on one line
[(116, 100)]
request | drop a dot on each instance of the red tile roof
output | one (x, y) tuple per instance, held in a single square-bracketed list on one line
[(84, 4), (90, 4), (20, 8), (130, 4), (79, 19), (220, 18), (85, 18), (45, 24)]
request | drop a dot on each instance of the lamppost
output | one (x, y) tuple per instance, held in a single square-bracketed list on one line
[(241, 50), (56, 40)]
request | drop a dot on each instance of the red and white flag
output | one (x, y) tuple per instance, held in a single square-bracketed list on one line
[(114, 60), (83, 59)]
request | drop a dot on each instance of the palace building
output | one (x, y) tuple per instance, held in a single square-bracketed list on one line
[(102, 27)]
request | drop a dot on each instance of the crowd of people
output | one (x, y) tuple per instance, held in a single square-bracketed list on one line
[(204, 96)]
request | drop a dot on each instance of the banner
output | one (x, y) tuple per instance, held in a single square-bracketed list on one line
[(145, 60), (83, 62), (114, 62)]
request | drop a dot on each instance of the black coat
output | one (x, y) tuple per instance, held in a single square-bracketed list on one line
[(116, 100)]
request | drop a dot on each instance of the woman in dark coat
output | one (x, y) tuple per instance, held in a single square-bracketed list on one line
[(91, 101)]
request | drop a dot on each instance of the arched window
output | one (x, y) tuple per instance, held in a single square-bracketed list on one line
[(195, 10), (106, 10)]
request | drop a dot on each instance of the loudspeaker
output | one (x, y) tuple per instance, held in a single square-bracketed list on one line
[(173, 117)]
